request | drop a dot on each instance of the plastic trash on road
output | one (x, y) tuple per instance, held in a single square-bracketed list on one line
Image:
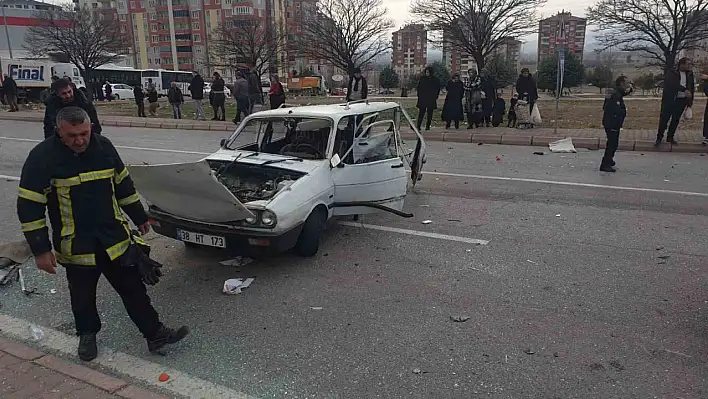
[(234, 286), (237, 261), (564, 145), (36, 332)]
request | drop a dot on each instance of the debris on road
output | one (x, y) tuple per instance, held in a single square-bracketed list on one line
[(529, 352), (454, 220), (417, 371), (234, 286), (36, 332), (316, 307), (53, 291), (427, 221), (425, 206), (237, 261), (163, 377), (558, 215), (659, 248), (617, 365), (499, 159), (459, 319), (539, 153), (562, 146), (664, 256), (480, 143), (8, 273), (530, 261)]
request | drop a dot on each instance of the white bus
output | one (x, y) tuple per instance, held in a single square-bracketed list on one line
[(162, 79)]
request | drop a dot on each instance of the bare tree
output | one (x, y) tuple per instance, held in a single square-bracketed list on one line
[(660, 29), (85, 37), (247, 41), (477, 27), (346, 33)]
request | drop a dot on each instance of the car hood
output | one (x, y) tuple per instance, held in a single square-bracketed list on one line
[(248, 157), (188, 190)]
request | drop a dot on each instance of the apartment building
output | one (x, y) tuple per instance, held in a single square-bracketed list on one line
[(510, 49), (176, 34), (562, 30), (410, 51)]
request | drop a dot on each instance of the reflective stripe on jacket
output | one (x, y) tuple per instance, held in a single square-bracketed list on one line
[(85, 195)]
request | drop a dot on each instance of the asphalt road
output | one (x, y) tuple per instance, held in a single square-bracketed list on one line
[(591, 286)]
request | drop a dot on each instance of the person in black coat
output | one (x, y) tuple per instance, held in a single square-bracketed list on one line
[(9, 88), (65, 96), (196, 89), (614, 113), (490, 96), (452, 110), (705, 113), (139, 99), (428, 92), (679, 87), (527, 89), (498, 111)]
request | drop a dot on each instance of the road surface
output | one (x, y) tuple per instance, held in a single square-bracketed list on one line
[(581, 284)]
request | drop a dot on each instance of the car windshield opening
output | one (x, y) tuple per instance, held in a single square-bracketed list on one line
[(295, 137)]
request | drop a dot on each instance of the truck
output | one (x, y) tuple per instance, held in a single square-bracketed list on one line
[(310, 85), (34, 77)]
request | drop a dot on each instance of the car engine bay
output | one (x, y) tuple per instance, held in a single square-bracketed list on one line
[(253, 182)]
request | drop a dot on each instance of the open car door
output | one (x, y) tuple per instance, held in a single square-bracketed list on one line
[(415, 157), (369, 175)]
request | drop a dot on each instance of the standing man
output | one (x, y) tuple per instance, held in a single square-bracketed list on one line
[(9, 87), (679, 88), (80, 178), (240, 94), (152, 98), (614, 112), (473, 98), (217, 89), (176, 98), (109, 91), (196, 88), (139, 95), (428, 91), (255, 94), (65, 96), (357, 88)]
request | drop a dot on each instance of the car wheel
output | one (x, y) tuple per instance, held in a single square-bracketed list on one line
[(309, 241)]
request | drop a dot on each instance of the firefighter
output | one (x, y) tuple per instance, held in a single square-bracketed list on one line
[(82, 181)]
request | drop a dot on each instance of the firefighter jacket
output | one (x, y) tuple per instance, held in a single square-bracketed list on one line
[(84, 194)]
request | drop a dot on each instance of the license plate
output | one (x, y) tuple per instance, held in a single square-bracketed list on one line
[(202, 239)]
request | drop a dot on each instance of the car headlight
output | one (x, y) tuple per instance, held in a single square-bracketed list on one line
[(268, 218), (251, 220)]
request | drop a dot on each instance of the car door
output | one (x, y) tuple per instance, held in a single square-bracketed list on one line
[(369, 173), (415, 156)]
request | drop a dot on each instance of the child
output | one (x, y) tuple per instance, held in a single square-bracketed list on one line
[(512, 110), (498, 111)]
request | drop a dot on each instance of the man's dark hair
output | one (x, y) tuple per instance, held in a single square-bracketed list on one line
[(61, 84), (73, 115), (683, 61), (620, 80)]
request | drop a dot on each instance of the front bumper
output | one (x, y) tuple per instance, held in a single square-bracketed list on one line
[(238, 240)]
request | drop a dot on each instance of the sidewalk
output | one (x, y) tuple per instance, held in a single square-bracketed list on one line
[(29, 373), (630, 140)]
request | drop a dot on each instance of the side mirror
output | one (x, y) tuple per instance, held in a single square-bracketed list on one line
[(223, 142), (335, 161)]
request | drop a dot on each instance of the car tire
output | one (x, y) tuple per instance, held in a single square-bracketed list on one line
[(308, 243)]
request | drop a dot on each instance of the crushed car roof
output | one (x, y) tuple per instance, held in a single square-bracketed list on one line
[(331, 110)]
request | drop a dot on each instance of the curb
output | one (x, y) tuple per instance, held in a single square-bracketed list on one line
[(83, 374), (592, 143)]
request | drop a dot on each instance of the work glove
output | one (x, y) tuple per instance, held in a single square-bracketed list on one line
[(148, 269)]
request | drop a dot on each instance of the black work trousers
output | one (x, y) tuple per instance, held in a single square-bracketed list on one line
[(613, 136), (127, 283), (141, 109), (705, 123), (671, 110), (422, 112), (219, 104)]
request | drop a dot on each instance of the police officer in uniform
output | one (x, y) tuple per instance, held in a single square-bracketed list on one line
[(613, 119), (82, 181)]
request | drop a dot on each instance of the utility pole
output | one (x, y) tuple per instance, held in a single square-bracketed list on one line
[(7, 32)]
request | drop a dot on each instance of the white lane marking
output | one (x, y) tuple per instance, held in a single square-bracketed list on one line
[(569, 183), (417, 233), (180, 383), (481, 177), (12, 178), (119, 146)]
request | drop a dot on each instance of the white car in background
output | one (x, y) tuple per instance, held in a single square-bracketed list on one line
[(121, 91), (207, 90), (300, 167)]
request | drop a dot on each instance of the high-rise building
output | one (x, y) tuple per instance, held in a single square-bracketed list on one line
[(510, 49), (410, 51), (176, 34), (561, 31)]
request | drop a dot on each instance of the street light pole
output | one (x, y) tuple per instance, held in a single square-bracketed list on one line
[(7, 32)]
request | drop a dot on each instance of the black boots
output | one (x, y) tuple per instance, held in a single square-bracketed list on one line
[(87, 347), (166, 336)]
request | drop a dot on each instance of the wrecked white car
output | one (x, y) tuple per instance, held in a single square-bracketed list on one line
[(298, 168)]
